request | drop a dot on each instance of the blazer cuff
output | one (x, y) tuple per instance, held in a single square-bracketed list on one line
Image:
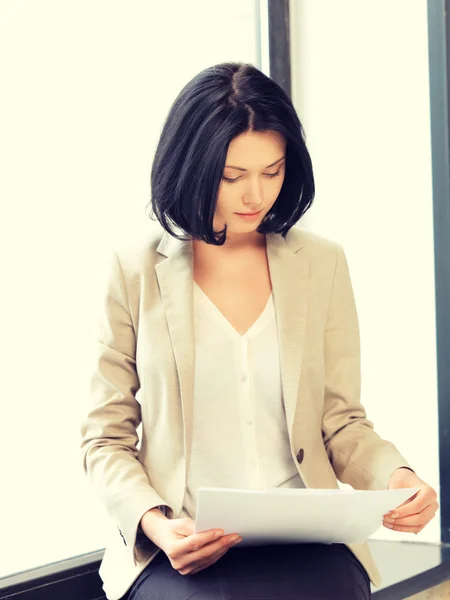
[(387, 462), (130, 526)]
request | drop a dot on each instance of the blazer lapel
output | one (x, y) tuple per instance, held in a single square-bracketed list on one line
[(289, 271), (175, 279)]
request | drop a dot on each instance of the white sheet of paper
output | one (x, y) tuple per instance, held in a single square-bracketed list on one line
[(286, 515)]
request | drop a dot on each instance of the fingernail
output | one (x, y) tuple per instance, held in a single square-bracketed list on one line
[(234, 539), (219, 533), (388, 525), (393, 515)]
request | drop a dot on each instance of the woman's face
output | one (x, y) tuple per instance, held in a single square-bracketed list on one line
[(252, 179)]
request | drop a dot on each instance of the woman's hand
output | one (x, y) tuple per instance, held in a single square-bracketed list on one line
[(188, 552), (418, 511)]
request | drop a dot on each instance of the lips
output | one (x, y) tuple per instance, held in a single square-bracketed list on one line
[(253, 214)]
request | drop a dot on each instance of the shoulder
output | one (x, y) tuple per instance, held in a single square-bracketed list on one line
[(327, 256), (314, 245)]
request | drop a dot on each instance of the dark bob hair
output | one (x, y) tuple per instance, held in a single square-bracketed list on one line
[(218, 104)]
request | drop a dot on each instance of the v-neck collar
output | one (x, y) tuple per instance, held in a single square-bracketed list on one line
[(290, 274), (214, 313)]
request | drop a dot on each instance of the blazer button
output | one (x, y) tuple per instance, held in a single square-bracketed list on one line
[(300, 456)]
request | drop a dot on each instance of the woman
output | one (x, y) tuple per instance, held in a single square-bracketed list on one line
[(232, 336)]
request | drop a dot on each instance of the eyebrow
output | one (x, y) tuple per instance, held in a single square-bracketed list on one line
[(268, 166)]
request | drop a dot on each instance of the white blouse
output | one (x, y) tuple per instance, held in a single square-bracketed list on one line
[(240, 437)]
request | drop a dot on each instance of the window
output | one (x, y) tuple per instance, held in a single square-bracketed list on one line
[(88, 87)]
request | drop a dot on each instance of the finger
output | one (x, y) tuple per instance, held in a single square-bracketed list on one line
[(224, 543), (406, 529), (203, 562), (191, 559), (421, 500), (411, 529), (213, 558), (418, 518), (414, 519), (404, 508), (429, 511), (194, 542), (209, 551), (211, 562)]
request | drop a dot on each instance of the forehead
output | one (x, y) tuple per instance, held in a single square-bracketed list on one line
[(256, 149)]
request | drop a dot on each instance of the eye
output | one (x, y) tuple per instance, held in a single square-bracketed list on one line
[(230, 180), (273, 174)]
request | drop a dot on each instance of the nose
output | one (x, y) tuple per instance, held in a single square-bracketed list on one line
[(253, 196)]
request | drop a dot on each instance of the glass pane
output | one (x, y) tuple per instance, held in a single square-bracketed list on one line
[(88, 86)]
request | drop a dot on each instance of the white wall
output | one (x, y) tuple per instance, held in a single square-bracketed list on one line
[(85, 88), (360, 86)]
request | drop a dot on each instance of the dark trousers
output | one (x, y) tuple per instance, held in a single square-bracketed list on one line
[(277, 572)]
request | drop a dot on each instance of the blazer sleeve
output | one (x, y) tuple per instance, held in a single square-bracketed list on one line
[(109, 431), (358, 455)]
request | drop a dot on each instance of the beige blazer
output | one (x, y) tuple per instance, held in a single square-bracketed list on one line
[(144, 373)]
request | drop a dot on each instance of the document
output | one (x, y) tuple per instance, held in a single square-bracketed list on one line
[(286, 515)]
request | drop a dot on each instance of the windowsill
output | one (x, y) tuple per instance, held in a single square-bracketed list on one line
[(408, 568)]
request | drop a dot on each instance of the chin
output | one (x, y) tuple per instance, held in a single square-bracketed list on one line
[(243, 227), (236, 225)]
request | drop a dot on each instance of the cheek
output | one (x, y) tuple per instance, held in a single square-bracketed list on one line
[(279, 185), (275, 189), (281, 181)]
